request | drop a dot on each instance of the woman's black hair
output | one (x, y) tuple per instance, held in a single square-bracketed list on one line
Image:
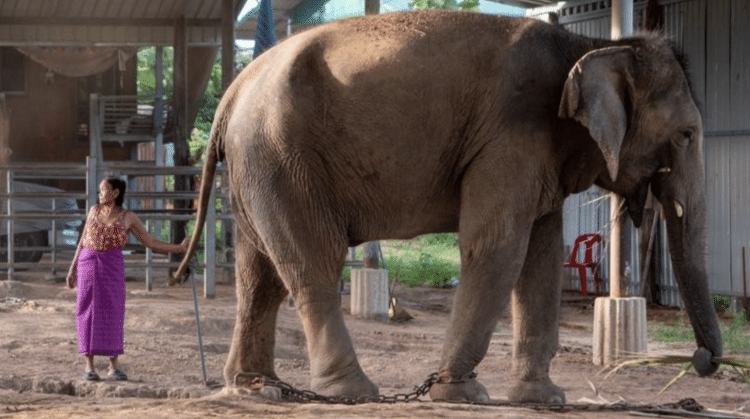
[(119, 184)]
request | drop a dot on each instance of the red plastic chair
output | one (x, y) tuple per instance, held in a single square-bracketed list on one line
[(588, 240)]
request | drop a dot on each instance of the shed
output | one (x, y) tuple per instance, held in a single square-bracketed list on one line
[(54, 54), (715, 36)]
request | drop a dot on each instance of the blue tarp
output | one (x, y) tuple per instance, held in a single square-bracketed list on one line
[(265, 31)]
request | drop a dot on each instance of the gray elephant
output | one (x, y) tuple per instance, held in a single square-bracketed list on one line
[(391, 126)]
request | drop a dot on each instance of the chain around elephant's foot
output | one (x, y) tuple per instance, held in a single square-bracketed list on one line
[(464, 389), (541, 391), (246, 383), (353, 385)]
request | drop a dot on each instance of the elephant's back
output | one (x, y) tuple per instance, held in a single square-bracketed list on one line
[(366, 104)]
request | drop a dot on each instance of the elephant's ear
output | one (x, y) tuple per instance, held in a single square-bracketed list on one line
[(598, 95)]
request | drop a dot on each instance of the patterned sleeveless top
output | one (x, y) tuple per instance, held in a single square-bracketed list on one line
[(103, 237)]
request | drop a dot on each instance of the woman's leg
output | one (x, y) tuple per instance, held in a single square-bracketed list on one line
[(90, 374), (115, 373)]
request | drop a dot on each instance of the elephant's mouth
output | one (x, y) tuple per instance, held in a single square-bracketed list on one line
[(636, 202)]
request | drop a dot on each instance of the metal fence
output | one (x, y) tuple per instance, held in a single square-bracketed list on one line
[(18, 217)]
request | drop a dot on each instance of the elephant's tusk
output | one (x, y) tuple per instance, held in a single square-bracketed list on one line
[(678, 208), (664, 170)]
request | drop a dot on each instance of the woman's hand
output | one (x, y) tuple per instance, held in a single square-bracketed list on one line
[(71, 279), (184, 245)]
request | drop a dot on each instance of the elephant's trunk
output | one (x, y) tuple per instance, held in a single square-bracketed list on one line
[(685, 209)]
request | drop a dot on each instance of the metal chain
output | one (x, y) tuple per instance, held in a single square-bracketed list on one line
[(685, 407), (257, 382)]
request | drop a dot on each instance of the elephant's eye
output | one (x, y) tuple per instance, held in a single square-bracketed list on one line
[(683, 139)]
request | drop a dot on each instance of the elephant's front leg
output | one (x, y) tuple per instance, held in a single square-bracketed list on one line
[(488, 273), (536, 307)]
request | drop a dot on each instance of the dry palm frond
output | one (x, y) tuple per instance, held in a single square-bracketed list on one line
[(739, 365)]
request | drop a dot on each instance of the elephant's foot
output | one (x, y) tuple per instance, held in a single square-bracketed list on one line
[(542, 391), (469, 390), (265, 393), (353, 385)]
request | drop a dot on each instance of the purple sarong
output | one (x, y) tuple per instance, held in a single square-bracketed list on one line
[(100, 306)]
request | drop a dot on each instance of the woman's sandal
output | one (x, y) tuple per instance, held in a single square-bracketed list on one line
[(117, 375), (91, 376)]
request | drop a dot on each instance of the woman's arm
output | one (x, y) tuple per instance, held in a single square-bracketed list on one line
[(135, 225), (70, 280)]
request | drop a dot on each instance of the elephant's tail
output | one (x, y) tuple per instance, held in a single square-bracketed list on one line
[(207, 181)]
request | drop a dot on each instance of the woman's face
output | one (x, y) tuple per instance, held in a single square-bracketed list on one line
[(107, 193)]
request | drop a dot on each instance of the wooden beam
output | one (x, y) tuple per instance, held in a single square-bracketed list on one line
[(83, 21)]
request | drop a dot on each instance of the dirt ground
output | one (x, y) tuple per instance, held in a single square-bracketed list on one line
[(40, 370)]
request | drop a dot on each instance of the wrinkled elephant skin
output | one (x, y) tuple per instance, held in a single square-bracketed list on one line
[(391, 126)]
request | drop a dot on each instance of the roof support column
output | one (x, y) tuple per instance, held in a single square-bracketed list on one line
[(622, 26), (181, 133), (622, 18), (619, 320), (227, 43), (372, 7)]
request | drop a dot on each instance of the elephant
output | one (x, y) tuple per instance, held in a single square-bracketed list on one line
[(392, 126)]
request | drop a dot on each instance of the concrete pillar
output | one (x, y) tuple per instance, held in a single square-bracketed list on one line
[(369, 294), (619, 328)]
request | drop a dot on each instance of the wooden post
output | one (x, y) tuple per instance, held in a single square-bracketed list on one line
[(181, 134), (615, 241), (372, 7), (4, 145), (180, 90), (159, 159), (227, 43), (370, 258), (744, 285), (227, 76), (95, 128), (5, 177), (369, 289)]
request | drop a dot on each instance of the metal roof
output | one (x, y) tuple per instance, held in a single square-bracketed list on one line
[(136, 22)]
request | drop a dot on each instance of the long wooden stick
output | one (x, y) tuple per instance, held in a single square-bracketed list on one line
[(744, 283), (647, 263)]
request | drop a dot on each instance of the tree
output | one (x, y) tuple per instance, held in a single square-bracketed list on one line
[(471, 5)]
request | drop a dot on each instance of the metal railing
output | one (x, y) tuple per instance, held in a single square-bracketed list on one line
[(92, 172)]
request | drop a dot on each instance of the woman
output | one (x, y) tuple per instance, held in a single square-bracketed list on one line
[(99, 272)]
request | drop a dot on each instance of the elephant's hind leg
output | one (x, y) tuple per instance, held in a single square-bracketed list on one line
[(259, 295), (334, 369)]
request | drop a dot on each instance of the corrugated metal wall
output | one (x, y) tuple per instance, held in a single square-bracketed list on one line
[(715, 36), (588, 213)]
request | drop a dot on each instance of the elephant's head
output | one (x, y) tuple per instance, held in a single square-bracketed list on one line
[(635, 100)]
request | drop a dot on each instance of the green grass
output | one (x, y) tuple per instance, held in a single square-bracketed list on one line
[(431, 259), (735, 334)]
